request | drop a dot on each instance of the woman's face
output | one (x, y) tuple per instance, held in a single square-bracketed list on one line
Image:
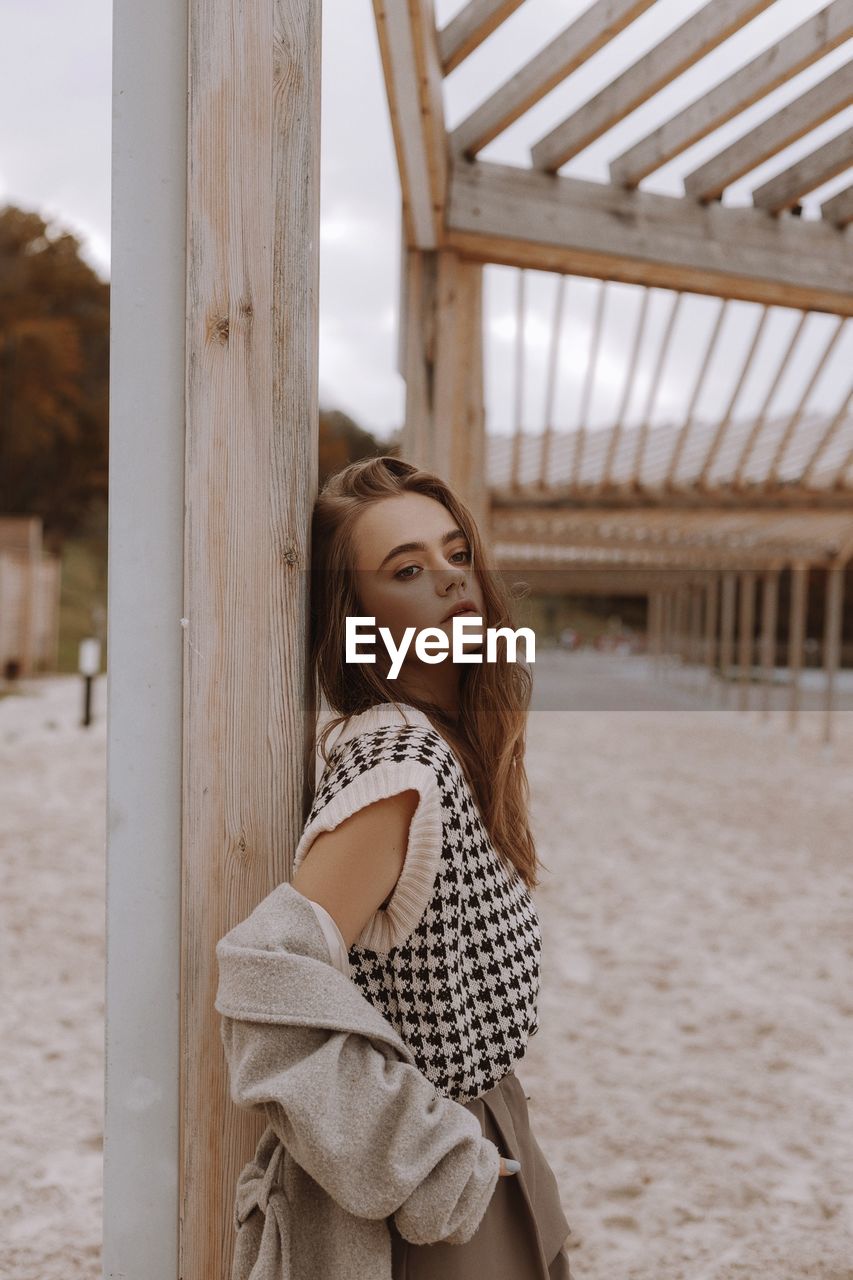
[(416, 587)]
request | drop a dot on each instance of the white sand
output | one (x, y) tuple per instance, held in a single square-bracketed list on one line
[(691, 1080)]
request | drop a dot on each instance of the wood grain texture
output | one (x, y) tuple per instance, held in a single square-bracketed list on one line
[(250, 482), (501, 213)]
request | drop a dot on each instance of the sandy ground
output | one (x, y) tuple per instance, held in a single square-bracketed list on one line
[(691, 1079)]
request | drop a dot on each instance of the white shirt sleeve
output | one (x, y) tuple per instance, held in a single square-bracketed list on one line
[(334, 940)]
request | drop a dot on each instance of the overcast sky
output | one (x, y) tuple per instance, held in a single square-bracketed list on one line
[(55, 110)]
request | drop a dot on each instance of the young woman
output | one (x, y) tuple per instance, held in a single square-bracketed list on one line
[(417, 855)]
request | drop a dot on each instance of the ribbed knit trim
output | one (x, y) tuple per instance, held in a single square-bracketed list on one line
[(377, 717), (390, 926)]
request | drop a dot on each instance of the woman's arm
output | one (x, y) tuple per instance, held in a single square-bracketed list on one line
[(352, 870)]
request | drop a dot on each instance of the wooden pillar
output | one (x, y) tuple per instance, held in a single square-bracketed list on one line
[(745, 649), (832, 640), (712, 597), (443, 367), (796, 637), (695, 648), (769, 614), (727, 629), (252, 279)]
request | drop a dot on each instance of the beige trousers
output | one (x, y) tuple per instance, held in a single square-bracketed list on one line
[(522, 1233)]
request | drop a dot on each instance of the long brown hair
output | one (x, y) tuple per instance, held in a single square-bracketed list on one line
[(488, 739)]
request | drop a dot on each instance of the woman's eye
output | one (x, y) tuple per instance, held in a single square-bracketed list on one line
[(405, 571)]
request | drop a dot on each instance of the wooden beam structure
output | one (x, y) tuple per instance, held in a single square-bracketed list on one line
[(680, 50), (785, 189), (413, 77), (839, 208), (500, 213), (761, 143), (467, 29), (802, 47), (591, 31)]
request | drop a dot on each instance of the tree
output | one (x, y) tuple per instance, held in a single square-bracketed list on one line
[(54, 376)]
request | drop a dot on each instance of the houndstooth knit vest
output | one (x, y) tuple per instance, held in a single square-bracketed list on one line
[(452, 958)]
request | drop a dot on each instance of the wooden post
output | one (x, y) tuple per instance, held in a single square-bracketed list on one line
[(832, 640), (711, 619), (445, 411), (727, 628), (796, 637), (747, 617), (253, 226), (769, 612), (695, 629)]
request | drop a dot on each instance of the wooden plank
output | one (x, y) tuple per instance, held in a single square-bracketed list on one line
[(774, 66), (728, 603), (828, 436), (680, 50), (502, 213), (710, 350), (551, 385), (627, 389), (252, 285), (577, 42), (761, 417), (518, 414), (712, 604), (589, 383), (654, 386), (793, 422), (785, 126), (456, 422), (467, 30), (723, 425), (839, 209), (785, 189), (419, 272), (413, 80)]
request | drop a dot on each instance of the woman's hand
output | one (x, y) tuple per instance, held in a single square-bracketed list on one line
[(508, 1167)]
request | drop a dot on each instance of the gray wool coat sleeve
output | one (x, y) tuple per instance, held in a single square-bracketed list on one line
[(340, 1087)]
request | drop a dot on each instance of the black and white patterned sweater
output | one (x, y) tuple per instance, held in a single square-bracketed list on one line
[(452, 958)]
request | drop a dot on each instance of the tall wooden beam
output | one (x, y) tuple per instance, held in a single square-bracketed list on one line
[(252, 286), (796, 637), (785, 126), (728, 603), (745, 647), (785, 189), (803, 46), (413, 79), (769, 618), (445, 426), (690, 42), (518, 401), (501, 213), (562, 55), (467, 30)]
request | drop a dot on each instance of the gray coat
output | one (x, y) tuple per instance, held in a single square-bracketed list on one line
[(355, 1130)]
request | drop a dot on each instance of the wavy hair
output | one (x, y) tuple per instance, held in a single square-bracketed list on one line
[(488, 740)]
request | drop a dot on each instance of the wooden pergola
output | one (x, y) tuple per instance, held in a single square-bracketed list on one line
[(728, 498), (213, 456)]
